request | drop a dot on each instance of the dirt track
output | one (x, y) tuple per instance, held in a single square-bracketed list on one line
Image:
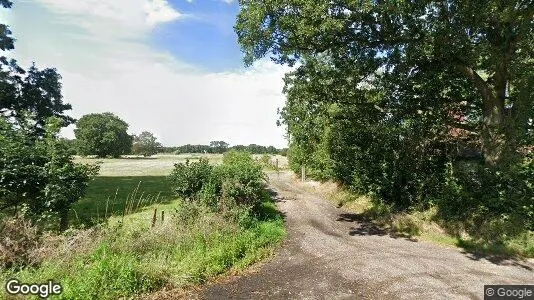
[(331, 254)]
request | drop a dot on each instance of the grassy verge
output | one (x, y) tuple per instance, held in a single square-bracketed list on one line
[(425, 225), (118, 250), (126, 256)]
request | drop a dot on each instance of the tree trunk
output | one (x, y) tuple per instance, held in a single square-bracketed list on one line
[(493, 139)]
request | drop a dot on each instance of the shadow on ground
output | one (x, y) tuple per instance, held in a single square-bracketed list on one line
[(364, 226), (272, 211), (500, 260), (504, 257), (275, 196)]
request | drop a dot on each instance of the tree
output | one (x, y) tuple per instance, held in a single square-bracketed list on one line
[(38, 178), (28, 98), (484, 48), (37, 175), (218, 146), (6, 41), (385, 94), (145, 144), (103, 135)]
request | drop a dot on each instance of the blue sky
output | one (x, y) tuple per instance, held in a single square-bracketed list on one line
[(205, 37), (172, 67)]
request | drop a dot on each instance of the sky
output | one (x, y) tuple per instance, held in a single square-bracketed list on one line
[(171, 67)]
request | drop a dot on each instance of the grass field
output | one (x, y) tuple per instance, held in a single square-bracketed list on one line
[(131, 184), (159, 165), (117, 195), (116, 252)]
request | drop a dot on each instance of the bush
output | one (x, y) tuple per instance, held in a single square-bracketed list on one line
[(494, 204), (266, 161), (239, 179), (18, 242), (242, 178), (37, 176), (187, 179)]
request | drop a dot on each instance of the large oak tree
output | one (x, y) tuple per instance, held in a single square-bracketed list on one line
[(422, 53), (103, 135)]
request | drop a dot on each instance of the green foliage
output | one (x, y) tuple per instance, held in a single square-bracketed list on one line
[(37, 176), (103, 135), (221, 147), (106, 275), (266, 161), (493, 204), (242, 179), (145, 144), (389, 97), (238, 179), (218, 146), (30, 97), (187, 179), (129, 258)]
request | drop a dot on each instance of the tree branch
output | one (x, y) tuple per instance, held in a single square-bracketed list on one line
[(479, 83)]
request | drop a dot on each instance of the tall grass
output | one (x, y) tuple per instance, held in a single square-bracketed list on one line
[(127, 256)]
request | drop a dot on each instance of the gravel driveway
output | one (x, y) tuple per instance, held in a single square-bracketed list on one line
[(332, 254)]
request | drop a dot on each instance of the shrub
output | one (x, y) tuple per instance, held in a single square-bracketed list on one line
[(187, 179), (239, 179), (37, 176), (266, 161), (242, 178), (493, 203), (18, 242)]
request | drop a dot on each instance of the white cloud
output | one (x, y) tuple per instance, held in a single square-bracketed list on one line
[(135, 14), (159, 11), (118, 71)]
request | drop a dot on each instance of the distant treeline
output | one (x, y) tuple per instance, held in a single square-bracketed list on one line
[(221, 148)]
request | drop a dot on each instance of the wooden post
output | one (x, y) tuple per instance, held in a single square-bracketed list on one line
[(154, 218), (303, 175), (162, 216), (277, 168)]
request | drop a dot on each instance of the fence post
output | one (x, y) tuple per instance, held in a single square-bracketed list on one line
[(162, 216), (303, 175), (154, 218)]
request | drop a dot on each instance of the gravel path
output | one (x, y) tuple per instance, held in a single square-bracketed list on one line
[(332, 254)]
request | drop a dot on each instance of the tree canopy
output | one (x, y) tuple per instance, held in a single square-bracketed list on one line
[(103, 135), (214, 147), (473, 58), (416, 103), (145, 144), (28, 97), (38, 179)]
